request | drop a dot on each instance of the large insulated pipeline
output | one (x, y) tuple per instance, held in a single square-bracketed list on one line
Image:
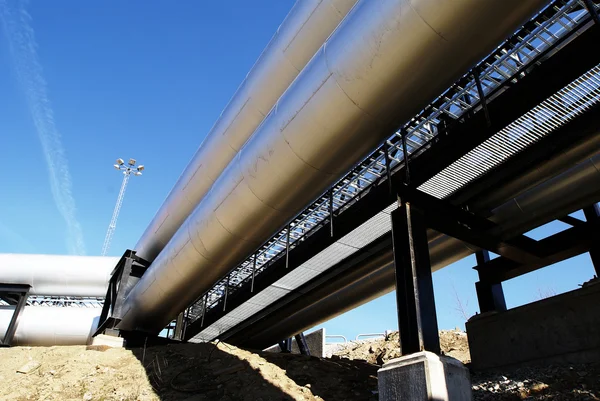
[(572, 190), (303, 31), (577, 187), (46, 326), (58, 275), (386, 61)]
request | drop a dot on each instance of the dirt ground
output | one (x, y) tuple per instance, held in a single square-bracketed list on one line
[(190, 372), (380, 350), (206, 372)]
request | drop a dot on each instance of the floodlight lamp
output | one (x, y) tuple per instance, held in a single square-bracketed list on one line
[(120, 162), (117, 166), (140, 167), (132, 162), (137, 173)]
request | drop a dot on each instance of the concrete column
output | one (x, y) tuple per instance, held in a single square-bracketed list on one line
[(424, 376)]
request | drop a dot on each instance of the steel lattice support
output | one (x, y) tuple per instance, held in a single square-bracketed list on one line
[(113, 221)]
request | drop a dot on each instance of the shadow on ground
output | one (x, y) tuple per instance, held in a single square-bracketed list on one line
[(198, 372), (330, 379)]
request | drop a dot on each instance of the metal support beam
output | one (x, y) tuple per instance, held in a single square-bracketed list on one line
[(123, 278), (331, 211), (463, 225), (417, 318), (254, 272), (204, 309), (226, 292), (302, 345), (286, 346), (592, 213), (589, 4), (482, 98), (18, 292), (489, 295), (287, 246), (558, 247), (405, 158), (388, 173), (572, 221)]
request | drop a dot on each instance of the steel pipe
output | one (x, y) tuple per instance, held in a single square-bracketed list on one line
[(303, 31), (58, 275), (386, 61), (47, 326)]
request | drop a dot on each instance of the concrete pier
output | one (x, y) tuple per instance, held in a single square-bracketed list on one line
[(424, 376), (561, 329)]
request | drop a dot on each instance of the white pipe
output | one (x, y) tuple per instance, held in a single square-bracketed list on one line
[(58, 275), (46, 326), (303, 31)]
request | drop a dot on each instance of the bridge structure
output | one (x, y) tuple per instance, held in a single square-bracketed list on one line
[(511, 113), (510, 145)]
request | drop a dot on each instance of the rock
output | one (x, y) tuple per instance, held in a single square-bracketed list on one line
[(29, 367), (88, 397), (539, 387)]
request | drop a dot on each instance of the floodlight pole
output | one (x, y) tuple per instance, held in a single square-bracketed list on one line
[(127, 171)]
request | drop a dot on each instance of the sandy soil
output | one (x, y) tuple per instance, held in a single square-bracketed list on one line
[(203, 372), (380, 350), (190, 372)]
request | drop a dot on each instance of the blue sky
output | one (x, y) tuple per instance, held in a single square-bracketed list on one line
[(88, 82)]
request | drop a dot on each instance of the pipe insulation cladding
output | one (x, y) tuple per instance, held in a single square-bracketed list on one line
[(58, 275), (47, 326), (303, 31), (386, 61)]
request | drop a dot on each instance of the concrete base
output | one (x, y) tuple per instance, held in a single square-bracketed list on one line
[(110, 341), (424, 376), (563, 329), (315, 341)]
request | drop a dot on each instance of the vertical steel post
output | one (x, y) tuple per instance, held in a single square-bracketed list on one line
[(592, 213), (388, 173), (204, 309), (482, 99), (226, 292), (415, 301), (331, 211), (592, 10), (14, 321), (287, 246), (302, 345), (286, 346), (490, 296), (405, 155), (253, 272)]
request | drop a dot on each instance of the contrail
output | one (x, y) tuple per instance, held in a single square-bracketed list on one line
[(21, 40)]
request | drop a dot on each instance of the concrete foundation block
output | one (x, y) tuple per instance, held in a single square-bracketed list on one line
[(110, 341), (563, 329), (424, 376), (315, 341)]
